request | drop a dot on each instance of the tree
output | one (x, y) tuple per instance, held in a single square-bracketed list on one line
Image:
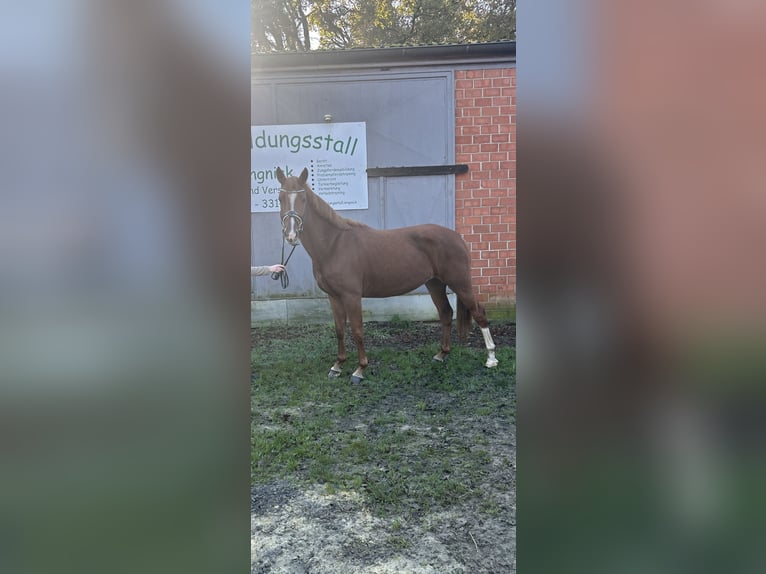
[(288, 25), (279, 26)]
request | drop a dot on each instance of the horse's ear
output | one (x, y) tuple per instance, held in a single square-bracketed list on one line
[(280, 175), (304, 176)]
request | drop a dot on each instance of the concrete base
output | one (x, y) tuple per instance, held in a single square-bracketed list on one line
[(416, 307)]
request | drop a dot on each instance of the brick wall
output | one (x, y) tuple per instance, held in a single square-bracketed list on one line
[(485, 197)]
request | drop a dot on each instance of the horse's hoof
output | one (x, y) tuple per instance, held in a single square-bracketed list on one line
[(333, 374), (355, 380), (491, 363), (439, 357)]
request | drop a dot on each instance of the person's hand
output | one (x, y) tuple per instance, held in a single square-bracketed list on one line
[(276, 268)]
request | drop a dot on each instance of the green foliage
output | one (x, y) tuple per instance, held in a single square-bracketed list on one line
[(287, 25)]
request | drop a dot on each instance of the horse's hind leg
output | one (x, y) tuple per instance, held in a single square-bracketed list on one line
[(438, 291), (354, 310), (467, 299), (339, 316)]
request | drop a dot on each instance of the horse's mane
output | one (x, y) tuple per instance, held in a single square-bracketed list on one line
[(323, 209)]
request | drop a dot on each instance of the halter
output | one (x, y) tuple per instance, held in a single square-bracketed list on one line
[(282, 275)]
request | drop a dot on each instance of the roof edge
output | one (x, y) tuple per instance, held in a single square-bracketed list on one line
[(504, 51)]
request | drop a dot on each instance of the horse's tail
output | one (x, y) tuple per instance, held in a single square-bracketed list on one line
[(463, 320)]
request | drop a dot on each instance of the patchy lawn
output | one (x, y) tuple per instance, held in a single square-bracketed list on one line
[(411, 471)]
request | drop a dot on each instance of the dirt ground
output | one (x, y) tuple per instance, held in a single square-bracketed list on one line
[(297, 530)]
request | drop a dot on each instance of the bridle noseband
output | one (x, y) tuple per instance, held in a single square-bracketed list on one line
[(292, 215)]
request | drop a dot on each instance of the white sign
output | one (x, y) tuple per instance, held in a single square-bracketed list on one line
[(335, 155)]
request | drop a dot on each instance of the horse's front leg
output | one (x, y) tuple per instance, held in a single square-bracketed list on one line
[(354, 310), (339, 316)]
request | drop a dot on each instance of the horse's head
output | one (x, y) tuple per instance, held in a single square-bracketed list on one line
[(292, 204)]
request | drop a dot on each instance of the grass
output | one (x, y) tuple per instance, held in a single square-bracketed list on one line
[(415, 436)]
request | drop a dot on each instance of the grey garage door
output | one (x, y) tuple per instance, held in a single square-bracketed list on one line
[(410, 122)]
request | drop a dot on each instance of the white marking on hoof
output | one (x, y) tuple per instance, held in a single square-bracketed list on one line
[(439, 357), (333, 374), (490, 344), (358, 376)]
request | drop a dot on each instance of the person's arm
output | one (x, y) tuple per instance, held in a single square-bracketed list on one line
[(266, 269)]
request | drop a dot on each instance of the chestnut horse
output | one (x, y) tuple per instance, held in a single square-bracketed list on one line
[(352, 260)]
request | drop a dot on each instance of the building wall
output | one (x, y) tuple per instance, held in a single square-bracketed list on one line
[(485, 196), (477, 106)]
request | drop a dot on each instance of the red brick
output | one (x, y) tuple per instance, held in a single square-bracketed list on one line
[(500, 138), (490, 111), (488, 147), (473, 166), (476, 92), (463, 83), (501, 83), (489, 92), (481, 120), (481, 139), (465, 102), (490, 271), (483, 101), (482, 83), (489, 128)]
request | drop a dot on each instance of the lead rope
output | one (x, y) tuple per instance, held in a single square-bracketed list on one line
[(282, 275)]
